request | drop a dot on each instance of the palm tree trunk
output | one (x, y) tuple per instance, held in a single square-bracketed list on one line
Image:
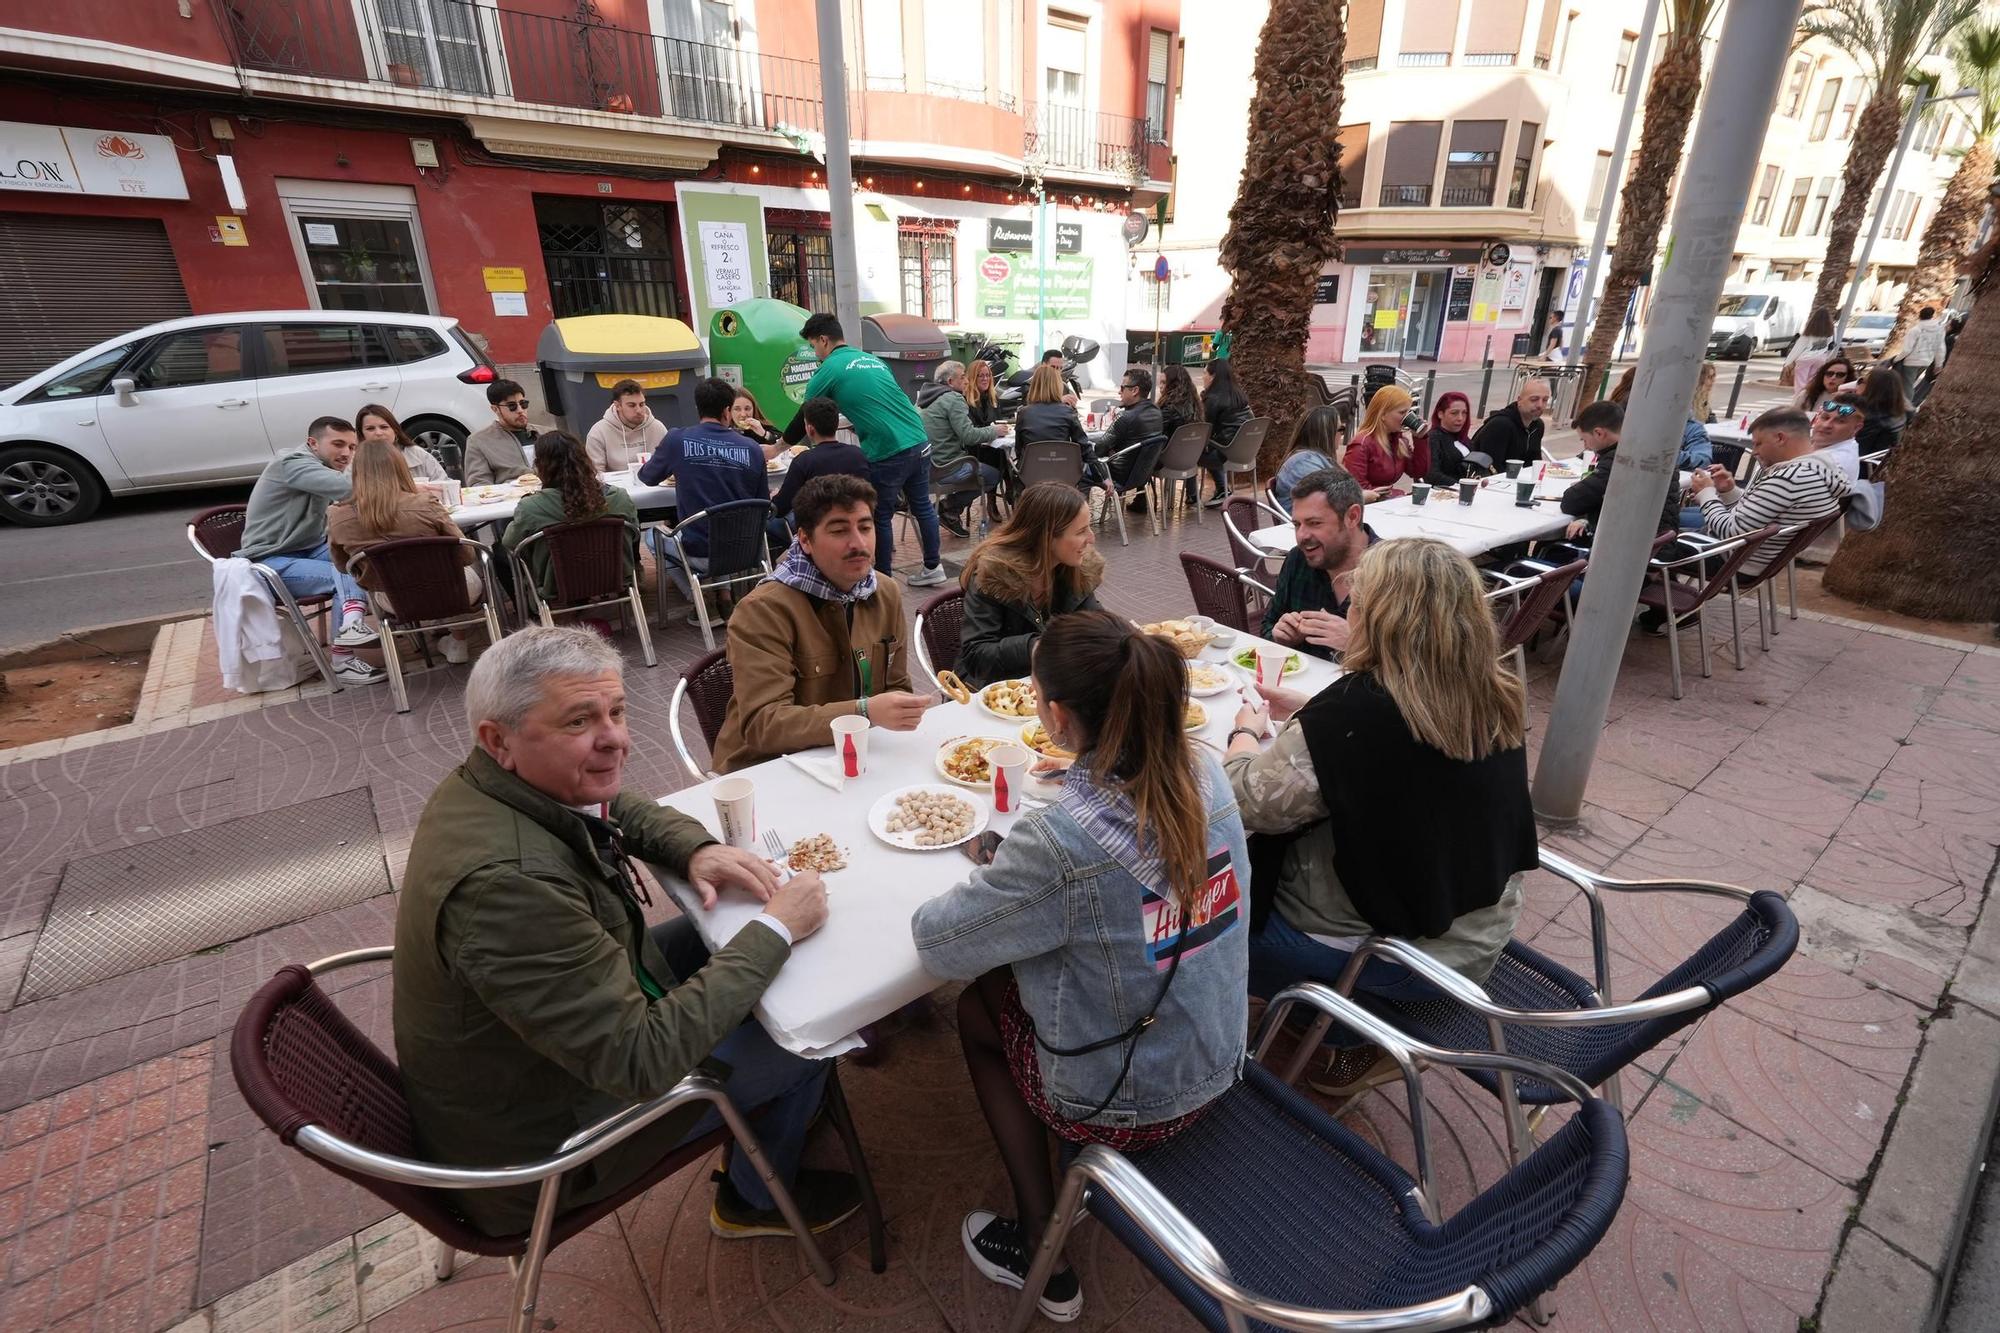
[(1948, 238), (1642, 211), (1281, 227), (1874, 139), (1937, 551)]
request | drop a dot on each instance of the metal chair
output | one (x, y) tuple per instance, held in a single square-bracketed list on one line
[(1145, 456), (1798, 539), (737, 553), (973, 485), (1180, 461), (1050, 460), (1533, 1007), (939, 624), (217, 534), (595, 566), (1220, 592), (325, 1089), (1269, 1209), (1241, 516), (422, 589), (1679, 596), (1538, 601), (1240, 458), (706, 685)]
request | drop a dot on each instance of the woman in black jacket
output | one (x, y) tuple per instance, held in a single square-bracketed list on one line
[(1046, 416), (1887, 411), (1226, 408), (1041, 563)]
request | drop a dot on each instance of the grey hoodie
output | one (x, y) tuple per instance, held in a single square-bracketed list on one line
[(613, 448), (287, 512)]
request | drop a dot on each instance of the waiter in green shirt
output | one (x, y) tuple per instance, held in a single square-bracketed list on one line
[(892, 438)]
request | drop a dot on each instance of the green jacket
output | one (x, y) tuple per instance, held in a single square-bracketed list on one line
[(544, 509), (948, 426), (865, 390), (529, 1000)]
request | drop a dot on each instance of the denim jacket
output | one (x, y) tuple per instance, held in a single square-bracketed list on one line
[(1090, 942)]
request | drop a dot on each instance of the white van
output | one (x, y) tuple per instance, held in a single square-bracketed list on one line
[(1766, 317)]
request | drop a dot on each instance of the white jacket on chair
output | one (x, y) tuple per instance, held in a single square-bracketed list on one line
[(258, 648)]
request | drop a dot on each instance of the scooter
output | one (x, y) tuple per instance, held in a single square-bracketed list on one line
[(1076, 351)]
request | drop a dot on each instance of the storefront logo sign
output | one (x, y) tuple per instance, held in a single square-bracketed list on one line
[(57, 160), (995, 268)]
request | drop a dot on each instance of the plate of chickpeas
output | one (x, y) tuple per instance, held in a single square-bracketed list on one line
[(927, 818)]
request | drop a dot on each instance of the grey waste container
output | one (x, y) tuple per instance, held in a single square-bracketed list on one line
[(910, 345)]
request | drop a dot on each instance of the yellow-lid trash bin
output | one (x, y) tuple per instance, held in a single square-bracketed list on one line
[(583, 357)]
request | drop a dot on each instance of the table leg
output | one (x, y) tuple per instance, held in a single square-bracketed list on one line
[(871, 1203)]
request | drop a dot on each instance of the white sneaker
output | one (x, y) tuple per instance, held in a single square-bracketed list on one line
[(928, 578), (356, 633), (456, 650), (351, 670)]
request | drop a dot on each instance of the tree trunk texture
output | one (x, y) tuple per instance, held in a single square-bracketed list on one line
[(1281, 226), (1875, 138), (1937, 551), (1947, 240), (1642, 209)]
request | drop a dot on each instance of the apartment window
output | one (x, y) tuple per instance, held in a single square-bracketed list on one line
[(929, 265), (1007, 27), (801, 263), (882, 44), (1409, 162), (1364, 34), (1795, 86), (1159, 56), (954, 50), (1821, 198), (1524, 165), (1429, 30), (1493, 32), (1621, 68), (1795, 207), (1545, 37), (437, 40), (1472, 165), (1856, 94), (1829, 95), (1767, 189), (1600, 172), (1353, 163)]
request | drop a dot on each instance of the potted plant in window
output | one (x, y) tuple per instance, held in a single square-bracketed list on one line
[(404, 76)]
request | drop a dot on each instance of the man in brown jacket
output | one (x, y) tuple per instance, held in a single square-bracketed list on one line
[(530, 1001), (821, 638)]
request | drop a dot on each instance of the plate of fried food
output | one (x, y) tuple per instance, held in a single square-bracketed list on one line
[(1205, 679), (1036, 737), (819, 852), (1188, 637), (1010, 700), (1195, 718), (962, 759), (927, 818)]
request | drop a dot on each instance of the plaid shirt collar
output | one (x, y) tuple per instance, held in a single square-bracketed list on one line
[(1108, 815), (798, 571)]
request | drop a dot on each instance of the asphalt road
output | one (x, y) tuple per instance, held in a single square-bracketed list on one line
[(131, 561)]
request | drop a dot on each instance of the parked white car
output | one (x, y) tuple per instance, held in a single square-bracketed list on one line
[(1868, 331), (212, 398)]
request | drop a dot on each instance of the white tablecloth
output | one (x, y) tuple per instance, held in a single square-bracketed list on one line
[(1728, 432), (645, 497), (1491, 520), (862, 965)]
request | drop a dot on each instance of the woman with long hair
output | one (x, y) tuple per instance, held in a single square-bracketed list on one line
[(1225, 407), (1384, 452), (1046, 416), (388, 505), (1041, 563), (1105, 942), (1424, 711), (1697, 450), (1317, 444), (982, 399), (1809, 350), (1180, 401), (1448, 438), (570, 493), (376, 422), (747, 418), (1887, 407), (1833, 372)]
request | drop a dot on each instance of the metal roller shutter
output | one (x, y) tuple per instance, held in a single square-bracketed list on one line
[(67, 283)]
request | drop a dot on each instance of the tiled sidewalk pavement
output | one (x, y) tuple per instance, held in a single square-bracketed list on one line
[(1853, 770)]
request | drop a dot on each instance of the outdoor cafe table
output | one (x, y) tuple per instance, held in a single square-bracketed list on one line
[(469, 515), (862, 964), (1492, 520)]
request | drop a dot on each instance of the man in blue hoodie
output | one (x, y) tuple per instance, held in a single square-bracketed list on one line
[(710, 465)]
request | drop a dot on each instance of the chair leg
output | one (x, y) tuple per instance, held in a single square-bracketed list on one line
[(444, 1259), (1701, 635), (701, 610), (788, 1208), (492, 622), (871, 1203), (1791, 590), (1673, 636), (548, 616), (1764, 629), (392, 659), (639, 623), (1736, 625), (1113, 500), (1068, 1200), (528, 1272)]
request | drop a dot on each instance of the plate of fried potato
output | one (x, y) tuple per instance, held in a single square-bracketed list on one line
[(1010, 700), (1036, 738), (962, 759)]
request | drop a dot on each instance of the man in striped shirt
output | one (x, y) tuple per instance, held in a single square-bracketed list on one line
[(1795, 484)]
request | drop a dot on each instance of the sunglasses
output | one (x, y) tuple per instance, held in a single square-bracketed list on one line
[(516, 404), (1839, 409)]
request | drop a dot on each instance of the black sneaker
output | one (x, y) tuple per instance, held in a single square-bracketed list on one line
[(825, 1199), (996, 1249), (954, 524), (1653, 621)]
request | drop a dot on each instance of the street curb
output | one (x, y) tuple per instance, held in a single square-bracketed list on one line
[(1896, 1261)]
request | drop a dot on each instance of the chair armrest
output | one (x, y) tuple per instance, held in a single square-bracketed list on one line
[(1707, 552), (380, 953), (1589, 881), (1249, 582), (1504, 583), (1474, 997)]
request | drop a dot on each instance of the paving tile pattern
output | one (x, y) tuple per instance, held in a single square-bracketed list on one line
[(1856, 764)]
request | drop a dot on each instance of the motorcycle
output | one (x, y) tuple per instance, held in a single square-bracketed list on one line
[(1013, 388)]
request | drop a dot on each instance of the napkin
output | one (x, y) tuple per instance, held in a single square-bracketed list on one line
[(820, 765)]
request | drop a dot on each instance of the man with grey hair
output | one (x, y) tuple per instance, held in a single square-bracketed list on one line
[(530, 998), (1308, 608), (955, 444)]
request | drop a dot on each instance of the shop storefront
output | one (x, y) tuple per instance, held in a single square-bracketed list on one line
[(1404, 296)]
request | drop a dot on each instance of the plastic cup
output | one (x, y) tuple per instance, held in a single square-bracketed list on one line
[(1010, 776), (1513, 469), (736, 810), (1524, 493), (850, 746), (1271, 660), (1420, 493), (1467, 488)]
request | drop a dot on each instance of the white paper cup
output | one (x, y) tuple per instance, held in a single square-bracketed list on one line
[(736, 810), (1010, 776), (1271, 665), (850, 746), (453, 493)]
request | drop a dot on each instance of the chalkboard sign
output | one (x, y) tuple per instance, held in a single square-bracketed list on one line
[(1459, 304)]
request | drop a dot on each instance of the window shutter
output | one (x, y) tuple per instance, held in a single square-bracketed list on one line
[(1158, 50)]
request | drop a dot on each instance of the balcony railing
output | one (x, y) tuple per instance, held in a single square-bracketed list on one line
[(1406, 196), (1069, 137), (456, 46)]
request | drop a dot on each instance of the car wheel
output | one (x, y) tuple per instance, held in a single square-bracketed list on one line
[(42, 487), (445, 439)]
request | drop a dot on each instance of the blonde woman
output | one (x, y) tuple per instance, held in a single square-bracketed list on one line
[(1425, 718), (1386, 455), (1046, 416), (1697, 450), (388, 506)]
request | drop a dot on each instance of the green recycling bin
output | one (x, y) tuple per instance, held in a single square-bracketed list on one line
[(582, 357), (756, 344)]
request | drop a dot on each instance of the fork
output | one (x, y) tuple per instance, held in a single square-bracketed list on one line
[(777, 847)]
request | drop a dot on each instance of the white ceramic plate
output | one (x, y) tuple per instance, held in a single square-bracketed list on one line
[(1224, 680), (945, 750), (878, 817), (979, 697)]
